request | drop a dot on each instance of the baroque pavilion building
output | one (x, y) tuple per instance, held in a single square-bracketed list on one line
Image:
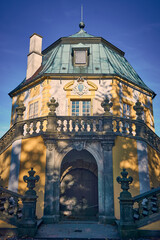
[(81, 115)]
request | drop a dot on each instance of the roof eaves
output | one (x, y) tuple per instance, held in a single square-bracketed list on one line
[(24, 83), (53, 45)]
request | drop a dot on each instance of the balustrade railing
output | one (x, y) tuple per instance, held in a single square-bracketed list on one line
[(79, 124), (138, 211), (146, 205), (85, 125), (20, 210), (10, 206), (35, 126)]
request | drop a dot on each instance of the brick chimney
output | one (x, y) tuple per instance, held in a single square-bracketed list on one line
[(35, 56)]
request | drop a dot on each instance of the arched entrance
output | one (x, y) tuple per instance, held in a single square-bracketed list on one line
[(79, 186)]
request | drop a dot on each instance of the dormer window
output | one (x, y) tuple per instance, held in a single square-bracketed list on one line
[(80, 56)]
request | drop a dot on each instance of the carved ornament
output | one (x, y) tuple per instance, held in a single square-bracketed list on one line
[(50, 144), (79, 145)]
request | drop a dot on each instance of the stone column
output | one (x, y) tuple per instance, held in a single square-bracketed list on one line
[(51, 200), (107, 146), (101, 195)]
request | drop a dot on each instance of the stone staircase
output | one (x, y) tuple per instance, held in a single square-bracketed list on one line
[(77, 230), (135, 212)]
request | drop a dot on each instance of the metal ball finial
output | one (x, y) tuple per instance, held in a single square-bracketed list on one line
[(81, 25)]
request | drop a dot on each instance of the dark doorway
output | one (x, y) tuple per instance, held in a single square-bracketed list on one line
[(79, 188)]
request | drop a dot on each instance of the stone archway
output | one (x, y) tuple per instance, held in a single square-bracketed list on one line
[(79, 186)]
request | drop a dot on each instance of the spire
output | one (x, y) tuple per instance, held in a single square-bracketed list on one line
[(81, 25)]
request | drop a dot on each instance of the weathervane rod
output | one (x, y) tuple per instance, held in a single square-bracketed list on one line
[(81, 13)]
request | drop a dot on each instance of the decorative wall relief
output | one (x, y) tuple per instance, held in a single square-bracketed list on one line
[(80, 87)]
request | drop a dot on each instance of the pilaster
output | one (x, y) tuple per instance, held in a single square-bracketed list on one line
[(51, 200), (107, 146)]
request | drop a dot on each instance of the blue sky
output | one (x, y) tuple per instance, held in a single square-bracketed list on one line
[(131, 25)]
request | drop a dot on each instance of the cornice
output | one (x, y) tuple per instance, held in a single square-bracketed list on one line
[(39, 79)]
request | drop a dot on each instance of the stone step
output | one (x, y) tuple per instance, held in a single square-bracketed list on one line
[(77, 230)]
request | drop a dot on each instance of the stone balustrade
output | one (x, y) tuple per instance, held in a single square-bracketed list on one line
[(98, 126), (79, 124), (20, 210), (146, 205), (138, 211), (10, 206), (34, 126)]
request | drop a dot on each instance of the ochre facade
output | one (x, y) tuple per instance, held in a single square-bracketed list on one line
[(78, 126)]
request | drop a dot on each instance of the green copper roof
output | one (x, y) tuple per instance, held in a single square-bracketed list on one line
[(81, 33), (104, 59)]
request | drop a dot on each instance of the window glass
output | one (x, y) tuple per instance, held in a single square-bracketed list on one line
[(33, 110), (75, 108), (81, 108), (126, 110), (80, 57), (86, 108)]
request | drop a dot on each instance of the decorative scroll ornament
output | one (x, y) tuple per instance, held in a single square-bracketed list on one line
[(52, 105), (20, 110), (106, 105), (80, 87), (78, 145), (124, 181), (139, 110), (31, 180)]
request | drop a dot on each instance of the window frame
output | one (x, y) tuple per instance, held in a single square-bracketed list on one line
[(126, 115), (87, 52), (35, 113), (80, 107)]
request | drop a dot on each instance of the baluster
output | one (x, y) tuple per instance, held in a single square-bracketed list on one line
[(117, 126), (145, 207), (19, 210), (73, 124), (41, 126), (88, 125), (28, 128), (62, 125), (2, 202), (91, 125), (124, 128), (97, 125), (11, 205), (158, 201), (154, 207), (67, 125), (34, 127), (76, 125), (79, 125), (101, 125), (130, 128), (140, 208), (85, 125)]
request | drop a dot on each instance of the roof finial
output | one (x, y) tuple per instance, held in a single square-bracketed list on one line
[(82, 25)]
